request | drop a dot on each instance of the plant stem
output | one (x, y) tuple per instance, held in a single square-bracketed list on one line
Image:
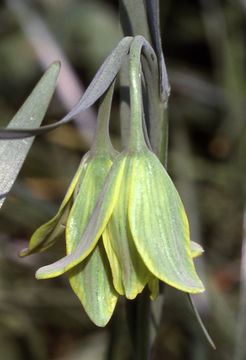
[(101, 142), (138, 314), (136, 140), (143, 346), (135, 20)]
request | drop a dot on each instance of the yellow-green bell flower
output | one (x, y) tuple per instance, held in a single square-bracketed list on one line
[(138, 216), (91, 281), (144, 227)]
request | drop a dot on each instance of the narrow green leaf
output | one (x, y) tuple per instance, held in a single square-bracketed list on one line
[(200, 322), (100, 216), (92, 283), (154, 110), (31, 114), (133, 18), (96, 89), (159, 225), (47, 234), (153, 13)]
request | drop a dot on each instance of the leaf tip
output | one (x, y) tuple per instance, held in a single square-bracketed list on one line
[(56, 63)]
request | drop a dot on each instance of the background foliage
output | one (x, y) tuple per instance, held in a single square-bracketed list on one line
[(204, 46)]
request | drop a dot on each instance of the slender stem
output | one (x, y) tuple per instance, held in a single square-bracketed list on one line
[(137, 142), (136, 139), (101, 142), (139, 321), (143, 346)]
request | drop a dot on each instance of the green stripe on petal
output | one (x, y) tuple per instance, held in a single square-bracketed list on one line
[(96, 172), (153, 284), (92, 283), (113, 260), (196, 249), (47, 234), (100, 216), (159, 225), (130, 274)]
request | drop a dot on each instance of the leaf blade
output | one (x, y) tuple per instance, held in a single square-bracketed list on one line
[(102, 80), (12, 152)]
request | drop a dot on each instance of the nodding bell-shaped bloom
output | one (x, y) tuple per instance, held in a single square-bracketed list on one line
[(138, 228), (91, 281)]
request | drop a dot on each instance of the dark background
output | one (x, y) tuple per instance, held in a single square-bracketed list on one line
[(204, 47)]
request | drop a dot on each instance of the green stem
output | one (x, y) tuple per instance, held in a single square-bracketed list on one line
[(136, 139), (101, 142), (141, 18), (139, 45), (136, 143), (138, 314), (143, 346)]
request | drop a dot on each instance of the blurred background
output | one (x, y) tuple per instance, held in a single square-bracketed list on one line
[(204, 47)]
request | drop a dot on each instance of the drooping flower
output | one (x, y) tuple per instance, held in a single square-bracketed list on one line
[(138, 219), (91, 281)]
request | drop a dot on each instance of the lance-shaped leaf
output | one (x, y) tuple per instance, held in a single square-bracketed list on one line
[(200, 322), (133, 18), (100, 216), (47, 234), (153, 13), (102, 80), (31, 114), (159, 225)]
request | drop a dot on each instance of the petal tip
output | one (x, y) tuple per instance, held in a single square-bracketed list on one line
[(43, 273), (24, 252)]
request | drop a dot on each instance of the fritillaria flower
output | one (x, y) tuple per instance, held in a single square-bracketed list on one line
[(73, 216), (136, 231)]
